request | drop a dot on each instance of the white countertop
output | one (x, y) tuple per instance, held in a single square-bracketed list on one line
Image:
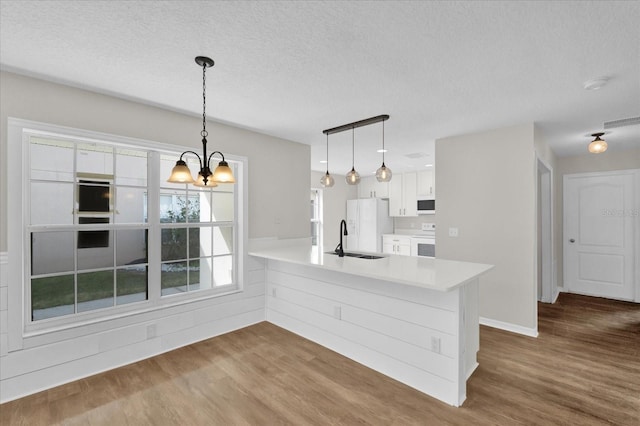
[(429, 273)]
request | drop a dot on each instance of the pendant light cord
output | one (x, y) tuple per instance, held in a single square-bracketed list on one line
[(204, 132), (353, 149), (327, 153), (383, 142)]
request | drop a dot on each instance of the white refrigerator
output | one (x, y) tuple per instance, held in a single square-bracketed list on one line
[(367, 220)]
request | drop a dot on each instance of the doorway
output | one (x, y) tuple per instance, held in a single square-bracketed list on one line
[(601, 233), (547, 289)]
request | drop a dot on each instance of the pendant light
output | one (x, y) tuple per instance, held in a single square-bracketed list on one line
[(383, 174), (353, 178), (597, 146), (222, 173), (327, 179)]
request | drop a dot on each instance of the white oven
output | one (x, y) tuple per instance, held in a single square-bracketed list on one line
[(424, 244)]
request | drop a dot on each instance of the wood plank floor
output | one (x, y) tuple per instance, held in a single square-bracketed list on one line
[(583, 369)]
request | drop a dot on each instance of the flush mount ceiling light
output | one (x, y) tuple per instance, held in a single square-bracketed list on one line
[(383, 174), (327, 179), (597, 146), (181, 172), (596, 83), (353, 178)]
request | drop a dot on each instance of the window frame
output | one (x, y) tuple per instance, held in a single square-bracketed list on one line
[(20, 325), (318, 219)]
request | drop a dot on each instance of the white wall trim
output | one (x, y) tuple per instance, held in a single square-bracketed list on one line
[(513, 328), (37, 381), (4, 303)]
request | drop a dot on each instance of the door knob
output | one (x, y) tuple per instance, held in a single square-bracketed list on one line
[(572, 240)]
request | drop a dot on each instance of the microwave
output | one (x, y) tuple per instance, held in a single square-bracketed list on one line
[(426, 206)]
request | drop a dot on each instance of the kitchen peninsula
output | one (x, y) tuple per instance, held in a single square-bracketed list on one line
[(414, 319)]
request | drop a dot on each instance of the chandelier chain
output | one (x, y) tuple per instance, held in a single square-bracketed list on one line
[(204, 132)]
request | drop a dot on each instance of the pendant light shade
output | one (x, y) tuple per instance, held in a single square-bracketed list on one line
[(597, 146), (223, 173), (327, 179), (353, 178), (383, 174), (181, 172), (200, 182)]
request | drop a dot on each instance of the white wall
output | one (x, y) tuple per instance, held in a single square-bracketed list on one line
[(608, 161), (335, 206), (486, 189), (277, 207)]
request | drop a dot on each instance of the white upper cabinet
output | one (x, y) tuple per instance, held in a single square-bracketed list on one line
[(426, 184), (403, 195), (369, 187)]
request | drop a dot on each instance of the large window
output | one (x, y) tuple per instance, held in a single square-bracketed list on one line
[(316, 218), (105, 233)]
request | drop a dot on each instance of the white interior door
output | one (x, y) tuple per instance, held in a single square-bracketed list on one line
[(600, 234)]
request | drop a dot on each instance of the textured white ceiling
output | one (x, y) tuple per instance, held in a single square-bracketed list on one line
[(291, 69)]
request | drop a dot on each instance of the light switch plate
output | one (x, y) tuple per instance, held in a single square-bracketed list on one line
[(435, 344), (453, 232)]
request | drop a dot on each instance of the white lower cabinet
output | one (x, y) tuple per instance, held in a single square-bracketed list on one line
[(396, 244)]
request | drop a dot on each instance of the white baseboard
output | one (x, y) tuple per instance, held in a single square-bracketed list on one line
[(557, 293), (514, 328), (472, 369)]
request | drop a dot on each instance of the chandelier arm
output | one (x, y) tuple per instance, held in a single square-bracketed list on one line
[(191, 152), (211, 155)]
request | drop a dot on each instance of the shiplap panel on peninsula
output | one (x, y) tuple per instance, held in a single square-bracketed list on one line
[(414, 335)]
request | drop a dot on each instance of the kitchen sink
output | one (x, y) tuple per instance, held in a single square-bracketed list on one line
[(358, 255)]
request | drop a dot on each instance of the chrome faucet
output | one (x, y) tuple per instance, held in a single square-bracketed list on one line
[(339, 249)]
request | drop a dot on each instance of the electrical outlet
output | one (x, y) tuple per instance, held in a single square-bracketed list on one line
[(428, 226), (337, 312), (152, 331), (435, 344), (453, 232)]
